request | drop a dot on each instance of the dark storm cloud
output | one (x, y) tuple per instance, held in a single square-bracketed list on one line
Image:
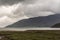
[(9, 2)]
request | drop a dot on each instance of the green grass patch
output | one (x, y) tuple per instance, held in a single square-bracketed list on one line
[(30, 35)]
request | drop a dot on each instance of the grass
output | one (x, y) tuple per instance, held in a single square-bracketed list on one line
[(30, 35)]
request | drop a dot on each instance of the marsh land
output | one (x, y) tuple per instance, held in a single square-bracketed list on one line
[(30, 35)]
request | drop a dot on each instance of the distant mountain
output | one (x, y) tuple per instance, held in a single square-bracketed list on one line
[(56, 25), (46, 21)]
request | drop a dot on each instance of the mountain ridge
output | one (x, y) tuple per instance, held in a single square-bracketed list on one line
[(46, 21)]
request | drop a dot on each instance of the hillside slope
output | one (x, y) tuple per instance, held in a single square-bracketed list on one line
[(46, 21)]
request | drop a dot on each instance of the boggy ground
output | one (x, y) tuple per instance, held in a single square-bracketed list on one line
[(30, 35)]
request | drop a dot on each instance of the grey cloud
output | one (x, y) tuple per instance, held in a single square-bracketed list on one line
[(29, 1), (38, 7), (9, 2)]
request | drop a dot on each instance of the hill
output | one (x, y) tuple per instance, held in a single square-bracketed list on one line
[(46, 21)]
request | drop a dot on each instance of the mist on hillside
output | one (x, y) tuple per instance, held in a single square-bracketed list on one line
[(12, 11)]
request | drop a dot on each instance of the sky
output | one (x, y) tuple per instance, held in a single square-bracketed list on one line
[(42, 7), (12, 11)]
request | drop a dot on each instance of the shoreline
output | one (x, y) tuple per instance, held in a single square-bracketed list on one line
[(25, 29)]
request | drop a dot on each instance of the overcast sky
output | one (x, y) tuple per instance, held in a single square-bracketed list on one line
[(10, 12), (14, 10)]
